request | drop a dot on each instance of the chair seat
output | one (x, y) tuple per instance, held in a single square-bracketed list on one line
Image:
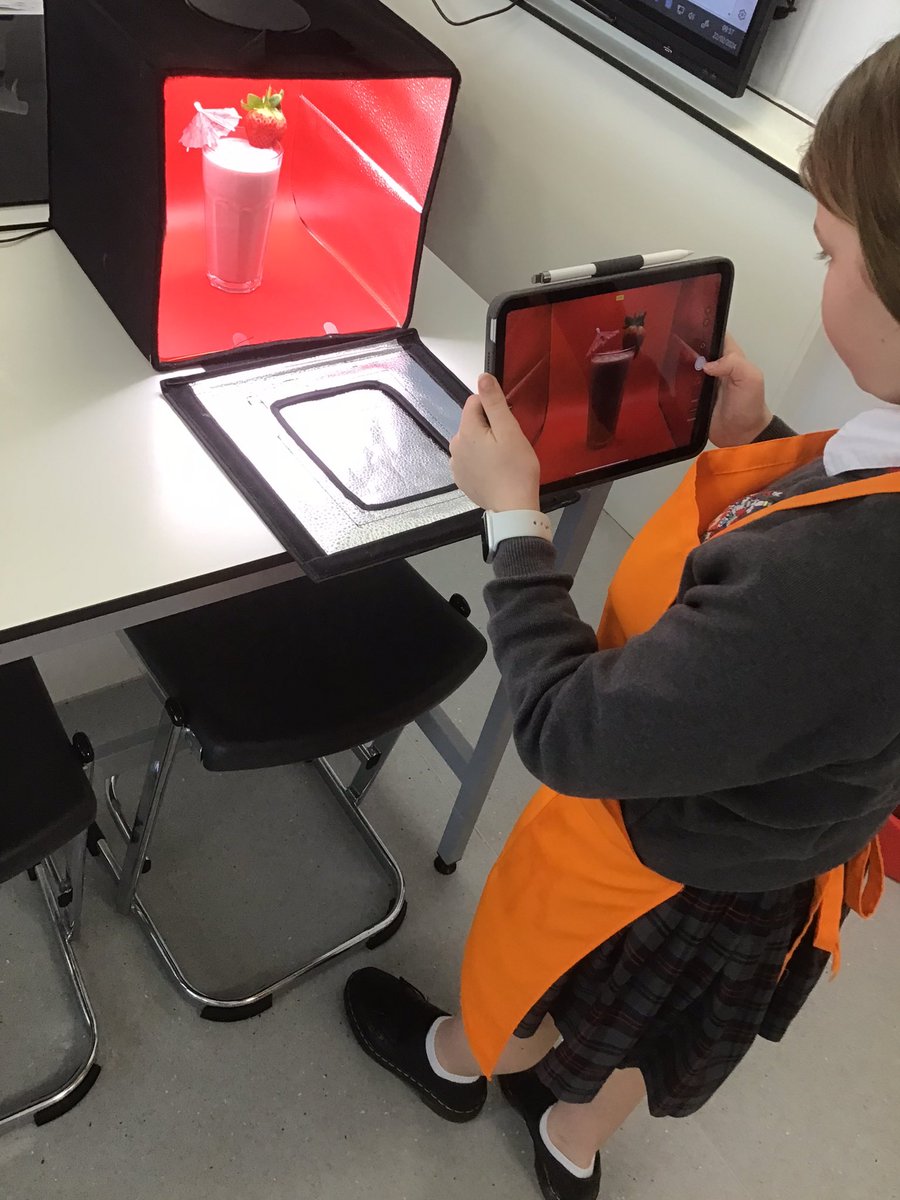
[(302, 670), (45, 797)]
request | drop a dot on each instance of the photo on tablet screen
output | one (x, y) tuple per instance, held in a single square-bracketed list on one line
[(615, 378)]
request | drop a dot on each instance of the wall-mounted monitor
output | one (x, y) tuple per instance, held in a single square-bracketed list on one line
[(716, 40)]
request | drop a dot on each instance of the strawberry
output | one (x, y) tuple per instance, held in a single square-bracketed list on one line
[(264, 122)]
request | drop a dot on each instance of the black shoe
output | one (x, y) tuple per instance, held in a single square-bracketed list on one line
[(531, 1099), (391, 1020)]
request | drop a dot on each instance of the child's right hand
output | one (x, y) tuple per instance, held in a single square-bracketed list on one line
[(741, 412)]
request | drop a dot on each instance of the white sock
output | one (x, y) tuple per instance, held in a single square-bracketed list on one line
[(578, 1172), (433, 1058)]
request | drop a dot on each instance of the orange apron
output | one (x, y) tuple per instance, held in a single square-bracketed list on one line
[(568, 878)]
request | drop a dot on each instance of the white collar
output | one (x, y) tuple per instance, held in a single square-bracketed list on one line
[(866, 443)]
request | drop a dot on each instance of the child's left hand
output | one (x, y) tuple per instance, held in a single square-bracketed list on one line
[(491, 458)]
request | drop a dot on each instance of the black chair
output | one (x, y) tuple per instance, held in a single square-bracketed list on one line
[(291, 674), (46, 806)]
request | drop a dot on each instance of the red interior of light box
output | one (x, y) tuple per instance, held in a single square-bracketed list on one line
[(358, 161)]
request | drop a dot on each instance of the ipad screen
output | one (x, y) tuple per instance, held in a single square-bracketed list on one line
[(609, 379)]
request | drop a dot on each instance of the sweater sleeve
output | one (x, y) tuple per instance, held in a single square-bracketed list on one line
[(737, 684), (774, 430)]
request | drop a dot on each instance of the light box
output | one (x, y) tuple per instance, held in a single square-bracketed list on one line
[(348, 215), (368, 103), (286, 271)]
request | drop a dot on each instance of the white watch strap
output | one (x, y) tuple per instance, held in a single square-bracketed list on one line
[(515, 524)]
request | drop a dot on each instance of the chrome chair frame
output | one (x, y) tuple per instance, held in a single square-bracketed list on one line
[(63, 893), (171, 737)]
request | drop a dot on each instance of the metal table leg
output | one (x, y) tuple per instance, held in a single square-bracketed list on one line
[(476, 767)]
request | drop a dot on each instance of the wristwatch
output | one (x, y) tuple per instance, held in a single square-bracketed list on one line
[(517, 523)]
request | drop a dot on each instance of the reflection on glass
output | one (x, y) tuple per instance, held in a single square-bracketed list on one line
[(529, 397), (681, 384)]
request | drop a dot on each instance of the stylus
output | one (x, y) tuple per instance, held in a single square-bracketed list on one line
[(611, 266)]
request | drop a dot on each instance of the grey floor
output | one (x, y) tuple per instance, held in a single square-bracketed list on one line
[(284, 1107)]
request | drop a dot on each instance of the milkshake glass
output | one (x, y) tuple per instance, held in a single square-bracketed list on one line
[(240, 183), (606, 385)]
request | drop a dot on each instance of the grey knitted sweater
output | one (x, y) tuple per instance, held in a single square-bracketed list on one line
[(753, 734)]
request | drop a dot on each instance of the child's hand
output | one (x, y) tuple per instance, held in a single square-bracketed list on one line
[(491, 458), (741, 412)]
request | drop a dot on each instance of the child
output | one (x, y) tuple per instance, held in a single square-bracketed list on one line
[(749, 732)]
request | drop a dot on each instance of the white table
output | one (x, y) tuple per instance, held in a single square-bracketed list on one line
[(112, 511), (113, 514)]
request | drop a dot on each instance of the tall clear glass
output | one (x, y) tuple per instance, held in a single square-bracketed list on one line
[(606, 386), (240, 183)]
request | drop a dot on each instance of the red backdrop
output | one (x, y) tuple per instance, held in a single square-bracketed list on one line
[(358, 161)]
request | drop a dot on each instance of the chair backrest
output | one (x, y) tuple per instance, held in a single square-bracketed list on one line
[(45, 797)]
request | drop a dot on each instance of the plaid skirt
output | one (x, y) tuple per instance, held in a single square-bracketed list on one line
[(681, 995)]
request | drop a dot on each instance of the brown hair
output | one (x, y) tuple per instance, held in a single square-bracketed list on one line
[(852, 165)]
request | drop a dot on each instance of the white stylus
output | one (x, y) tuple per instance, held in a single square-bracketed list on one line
[(611, 266)]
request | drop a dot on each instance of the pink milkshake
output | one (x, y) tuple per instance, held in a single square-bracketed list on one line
[(240, 182)]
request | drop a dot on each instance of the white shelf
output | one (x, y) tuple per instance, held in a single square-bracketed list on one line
[(15, 215), (761, 126)]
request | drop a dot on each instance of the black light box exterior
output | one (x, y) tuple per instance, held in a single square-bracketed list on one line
[(368, 103)]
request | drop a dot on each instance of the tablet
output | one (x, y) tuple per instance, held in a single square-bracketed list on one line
[(606, 376)]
